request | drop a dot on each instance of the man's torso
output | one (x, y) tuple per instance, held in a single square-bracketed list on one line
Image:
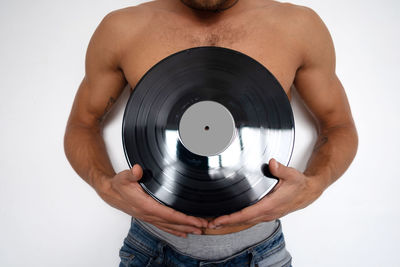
[(262, 29)]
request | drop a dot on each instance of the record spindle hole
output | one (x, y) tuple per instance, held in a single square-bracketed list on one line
[(206, 128)]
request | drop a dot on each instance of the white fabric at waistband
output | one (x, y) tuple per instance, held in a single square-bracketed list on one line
[(213, 247)]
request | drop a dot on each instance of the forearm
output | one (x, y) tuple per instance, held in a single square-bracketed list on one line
[(333, 152), (86, 152)]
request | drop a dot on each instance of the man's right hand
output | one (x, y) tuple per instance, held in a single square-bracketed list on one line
[(124, 193)]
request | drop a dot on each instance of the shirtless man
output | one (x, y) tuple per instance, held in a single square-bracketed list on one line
[(291, 41)]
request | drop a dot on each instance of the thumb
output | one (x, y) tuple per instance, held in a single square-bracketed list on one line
[(278, 170), (137, 173)]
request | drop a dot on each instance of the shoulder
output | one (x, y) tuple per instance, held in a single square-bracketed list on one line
[(129, 18), (304, 28), (303, 13), (296, 23), (306, 22), (118, 27), (293, 17)]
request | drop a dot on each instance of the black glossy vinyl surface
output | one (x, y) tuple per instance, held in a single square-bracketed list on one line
[(220, 184)]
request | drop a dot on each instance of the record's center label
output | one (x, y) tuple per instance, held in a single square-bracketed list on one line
[(207, 128)]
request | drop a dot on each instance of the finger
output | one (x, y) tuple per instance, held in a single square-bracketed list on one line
[(137, 173), (127, 177), (173, 216), (279, 170), (237, 218), (181, 228), (174, 232), (265, 218)]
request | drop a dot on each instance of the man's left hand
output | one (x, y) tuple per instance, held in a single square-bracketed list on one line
[(294, 191)]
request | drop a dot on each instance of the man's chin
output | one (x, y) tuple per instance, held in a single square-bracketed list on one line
[(205, 5)]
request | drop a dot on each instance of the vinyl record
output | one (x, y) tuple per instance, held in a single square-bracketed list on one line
[(203, 124)]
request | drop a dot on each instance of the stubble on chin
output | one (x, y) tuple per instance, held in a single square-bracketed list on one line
[(205, 4)]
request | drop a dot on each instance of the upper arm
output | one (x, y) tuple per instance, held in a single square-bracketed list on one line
[(104, 80), (316, 80)]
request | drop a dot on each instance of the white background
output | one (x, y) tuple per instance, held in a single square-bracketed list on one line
[(50, 217)]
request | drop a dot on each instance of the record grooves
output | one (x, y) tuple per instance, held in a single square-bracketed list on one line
[(203, 123)]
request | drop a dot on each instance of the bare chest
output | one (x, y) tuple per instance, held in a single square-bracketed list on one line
[(267, 46)]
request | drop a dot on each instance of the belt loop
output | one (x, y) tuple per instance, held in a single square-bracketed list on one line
[(252, 257), (159, 259)]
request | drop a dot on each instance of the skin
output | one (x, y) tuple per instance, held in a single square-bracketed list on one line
[(291, 41)]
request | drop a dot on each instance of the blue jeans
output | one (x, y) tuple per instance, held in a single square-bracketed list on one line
[(143, 249)]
